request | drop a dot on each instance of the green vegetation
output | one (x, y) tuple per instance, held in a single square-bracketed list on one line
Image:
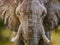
[(1, 24), (55, 37), (5, 35)]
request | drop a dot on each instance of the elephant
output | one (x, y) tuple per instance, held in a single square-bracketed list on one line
[(8, 8), (31, 14)]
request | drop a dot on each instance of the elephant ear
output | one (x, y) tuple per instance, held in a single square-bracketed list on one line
[(46, 1)]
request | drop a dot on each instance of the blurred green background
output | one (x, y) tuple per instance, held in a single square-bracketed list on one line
[(5, 35)]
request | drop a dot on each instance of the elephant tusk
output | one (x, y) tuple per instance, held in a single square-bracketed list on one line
[(14, 39), (46, 39)]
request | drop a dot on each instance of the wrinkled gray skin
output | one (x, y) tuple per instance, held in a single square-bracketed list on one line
[(53, 22), (53, 14), (31, 15), (8, 17), (53, 8)]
